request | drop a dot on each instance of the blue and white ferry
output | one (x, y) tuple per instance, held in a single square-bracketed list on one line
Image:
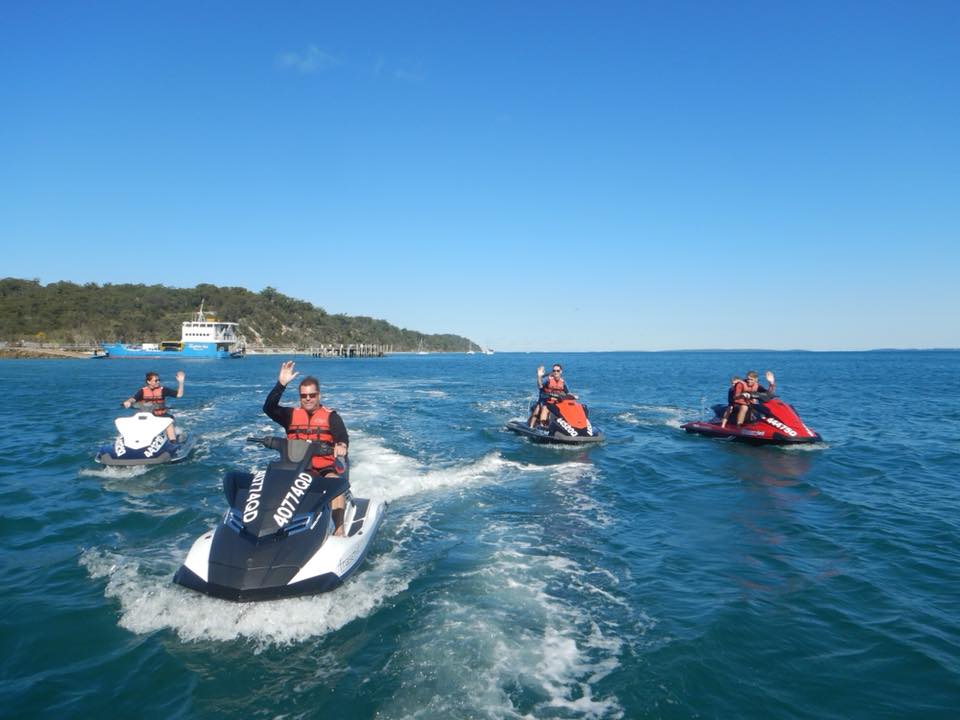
[(199, 338)]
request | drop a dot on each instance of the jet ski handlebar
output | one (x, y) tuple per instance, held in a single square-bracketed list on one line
[(273, 443), (280, 444)]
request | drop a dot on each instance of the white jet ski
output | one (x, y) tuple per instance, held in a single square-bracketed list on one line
[(143, 440)]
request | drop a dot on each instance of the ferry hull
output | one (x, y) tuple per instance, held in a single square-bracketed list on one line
[(188, 350)]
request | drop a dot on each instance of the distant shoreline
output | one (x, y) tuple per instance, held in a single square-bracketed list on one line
[(19, 353), (29, 353)]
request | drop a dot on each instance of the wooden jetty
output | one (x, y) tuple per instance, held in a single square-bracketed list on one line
[(351, 350), (330, 350)]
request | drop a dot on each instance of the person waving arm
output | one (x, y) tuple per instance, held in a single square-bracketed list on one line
[(271, 406)]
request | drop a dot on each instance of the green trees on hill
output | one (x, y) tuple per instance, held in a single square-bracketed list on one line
[(65, 312)]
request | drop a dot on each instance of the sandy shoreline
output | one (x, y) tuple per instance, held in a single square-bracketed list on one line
[(9, 353)]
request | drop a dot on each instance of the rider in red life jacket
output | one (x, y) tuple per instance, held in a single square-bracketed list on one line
[(748, 391), (551, 389), (311, 421), (152, 395), (736, 388)]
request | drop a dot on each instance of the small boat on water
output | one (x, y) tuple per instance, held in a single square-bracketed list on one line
[(201, 337)]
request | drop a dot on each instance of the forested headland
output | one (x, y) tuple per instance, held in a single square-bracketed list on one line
[(69, 313)]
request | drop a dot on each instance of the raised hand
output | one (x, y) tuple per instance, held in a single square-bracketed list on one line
[(769, 377), (181, 376), (286, 373)]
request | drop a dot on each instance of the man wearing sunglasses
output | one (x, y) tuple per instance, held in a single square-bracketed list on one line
[(311, 421), (152, 395), (551, 388)]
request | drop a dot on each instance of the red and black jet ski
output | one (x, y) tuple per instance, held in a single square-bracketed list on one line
[(568, 423), (770, 421)]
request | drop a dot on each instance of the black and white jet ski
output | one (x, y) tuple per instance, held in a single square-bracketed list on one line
[(142, 440), (276, 539), (568, 424)]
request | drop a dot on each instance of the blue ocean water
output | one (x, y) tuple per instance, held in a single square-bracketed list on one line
[(658, 575)]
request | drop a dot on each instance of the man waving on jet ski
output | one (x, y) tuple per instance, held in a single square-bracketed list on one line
[(749, 391), (311, 421), (551, 388), (152, 396)]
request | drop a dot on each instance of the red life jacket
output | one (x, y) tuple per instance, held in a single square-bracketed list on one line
[(314, 427), (153, 398), (739, 387), (554, 387), (746, 386)]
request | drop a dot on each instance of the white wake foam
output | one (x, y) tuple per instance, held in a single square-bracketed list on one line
[(432, 393), (378, 471), (510, 626), (115, 472), (573, 489), (653, 415), (149, 601), (497, 406)]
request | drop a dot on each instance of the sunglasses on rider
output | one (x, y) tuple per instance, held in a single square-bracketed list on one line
[(305, 396)]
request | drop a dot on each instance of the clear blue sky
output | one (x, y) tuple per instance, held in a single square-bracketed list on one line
[(534, 175)]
